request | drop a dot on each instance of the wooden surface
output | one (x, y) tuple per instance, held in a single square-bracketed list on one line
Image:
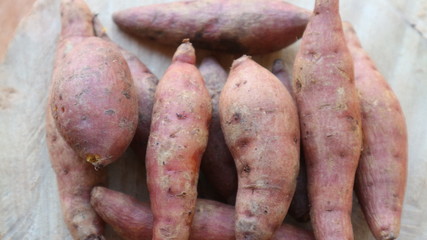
[(11, 13), (394, 32)]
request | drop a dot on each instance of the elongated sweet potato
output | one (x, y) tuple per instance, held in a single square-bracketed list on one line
[(145, 84), (217, 162), (178, 137), (382, 171), (225, 25), (133, 220), (330, 121), (75, 177), (300, 205), (260, 124), (94, 101)]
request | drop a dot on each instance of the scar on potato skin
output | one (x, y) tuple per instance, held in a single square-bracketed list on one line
[(92, 158)]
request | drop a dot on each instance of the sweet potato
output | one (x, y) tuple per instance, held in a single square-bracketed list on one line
[(178, 137), (75, 178), (382, 171), (217, 163), (330, 121), (145, 84), (260, 124), (94, 101), (279, 71), (133, 220), (300, 205), (232, 26)]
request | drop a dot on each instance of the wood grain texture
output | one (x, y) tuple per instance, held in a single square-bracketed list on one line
[(11, 13), (392, 31)]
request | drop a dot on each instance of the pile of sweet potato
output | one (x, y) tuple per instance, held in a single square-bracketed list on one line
[(268, 142)]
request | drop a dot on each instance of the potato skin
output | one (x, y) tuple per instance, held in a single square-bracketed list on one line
[(145, 84), (231, 26), (330, 121), (94, 102), (132, 220), (217, 163), (260, 125), (382, 171), (178, 137), (300, 205), (75, 179)]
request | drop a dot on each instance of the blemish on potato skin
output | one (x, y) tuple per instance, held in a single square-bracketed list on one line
[(126, 93), (246, 168), (110, 112), (181, 116)]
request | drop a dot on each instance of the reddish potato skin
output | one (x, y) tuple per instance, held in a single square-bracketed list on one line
[(145, 84), (94, 101), (75, 178), (330, 121), (300, 205), (279, 71), (382, 171), (232, 26), (217, 162), (178, 137), (260, 125), (132, 220)]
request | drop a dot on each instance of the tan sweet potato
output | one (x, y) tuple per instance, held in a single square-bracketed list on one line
[(300, 205), (381, 175), (217, 163), (145, 84), (260, 124), (75, 177), (330, 121), (224, 25), (94, 102), (132, 220), (178, 137)]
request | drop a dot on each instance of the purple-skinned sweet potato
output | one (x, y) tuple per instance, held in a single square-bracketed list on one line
[(178, 137), (382, 171), (330, 120), (300, 205), (260, 124), (233, 26), (133, 220), (145, 84), (217, 163)]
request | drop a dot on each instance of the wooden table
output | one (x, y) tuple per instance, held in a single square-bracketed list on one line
[(394, 32)]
